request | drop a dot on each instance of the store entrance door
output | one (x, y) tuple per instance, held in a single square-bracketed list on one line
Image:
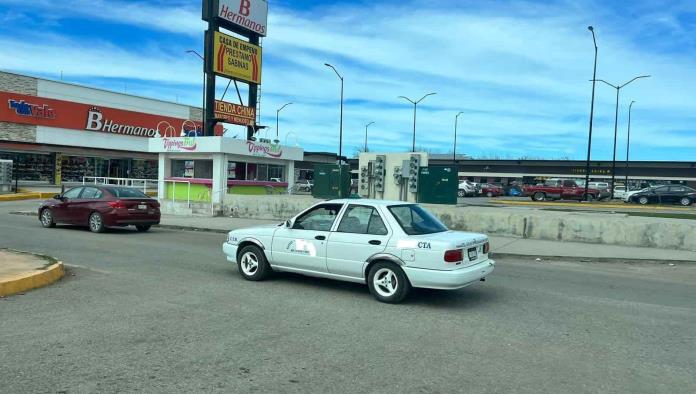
[(119, 169)]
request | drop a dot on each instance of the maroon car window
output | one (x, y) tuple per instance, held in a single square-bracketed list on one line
[(91, 193), (125, 192), (73, 193)]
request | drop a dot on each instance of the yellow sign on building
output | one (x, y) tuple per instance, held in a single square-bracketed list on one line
[(236, 59)]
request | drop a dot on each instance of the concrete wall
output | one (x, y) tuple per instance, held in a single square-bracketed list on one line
[(602, 228)]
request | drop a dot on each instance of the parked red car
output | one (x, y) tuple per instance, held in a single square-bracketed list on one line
[(560, 189), (490, 190), (99, 207)]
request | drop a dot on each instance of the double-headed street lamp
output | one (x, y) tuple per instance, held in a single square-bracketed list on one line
[(628, 143), (340, 133), (454, 151), (277, 115), (616, 125), (366, 126), (415, 105), (589, 138)]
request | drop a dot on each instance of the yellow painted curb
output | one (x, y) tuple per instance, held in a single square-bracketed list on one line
[(585, 205), (23, 282), (25, 196)]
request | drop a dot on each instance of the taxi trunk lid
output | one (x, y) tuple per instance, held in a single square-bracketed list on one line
[(434, 247)]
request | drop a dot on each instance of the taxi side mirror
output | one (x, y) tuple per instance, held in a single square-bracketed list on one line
[(288, 223)]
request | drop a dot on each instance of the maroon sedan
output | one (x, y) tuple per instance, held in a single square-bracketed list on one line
[(491, 190), (101, 206)]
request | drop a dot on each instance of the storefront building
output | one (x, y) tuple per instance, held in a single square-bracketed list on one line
[(57, 133)]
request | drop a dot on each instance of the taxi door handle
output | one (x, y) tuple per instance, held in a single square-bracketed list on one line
[(375, 242), (320, 237)]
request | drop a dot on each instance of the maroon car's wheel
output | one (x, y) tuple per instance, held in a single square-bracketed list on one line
[(46, 218), (489, 194), (142, 229), (96, 223)]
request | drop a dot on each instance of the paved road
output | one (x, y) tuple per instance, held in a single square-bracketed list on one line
[(163, 312)]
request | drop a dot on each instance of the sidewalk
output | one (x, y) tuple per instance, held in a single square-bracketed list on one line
[(499, 245)]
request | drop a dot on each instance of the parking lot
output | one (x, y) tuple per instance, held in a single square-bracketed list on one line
[(164, 311)]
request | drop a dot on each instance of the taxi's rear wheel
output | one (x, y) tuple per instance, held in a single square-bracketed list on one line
[(388, 283), (252, 263)]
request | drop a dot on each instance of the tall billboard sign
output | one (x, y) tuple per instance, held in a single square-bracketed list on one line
[(232, 57), (236, 59)]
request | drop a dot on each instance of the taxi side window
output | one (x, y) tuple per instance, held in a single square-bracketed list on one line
[(321, 218), (360, 219)]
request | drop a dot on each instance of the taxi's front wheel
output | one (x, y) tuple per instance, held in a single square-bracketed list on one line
[(388, 283), (252, 263)]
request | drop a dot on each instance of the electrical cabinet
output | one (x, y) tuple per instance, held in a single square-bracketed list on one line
[(5, 176), (437, 185), (331, 181)]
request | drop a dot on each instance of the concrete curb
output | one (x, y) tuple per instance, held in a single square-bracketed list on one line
[(187, 228), (34, 280), (588, 260), (25, 196)]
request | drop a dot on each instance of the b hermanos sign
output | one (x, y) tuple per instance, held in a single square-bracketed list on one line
[(251, 15), (40, 111)]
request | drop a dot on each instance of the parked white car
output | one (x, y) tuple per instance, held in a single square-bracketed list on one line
[(468, 189), (389, 245)]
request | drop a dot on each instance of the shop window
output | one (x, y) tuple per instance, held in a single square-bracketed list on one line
[(201, 169), (257, 172), (144, 169), (236, 170), (76, 168), (31, 167), (276, 173)]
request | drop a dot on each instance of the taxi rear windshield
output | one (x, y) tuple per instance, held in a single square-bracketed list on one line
[(415, 220)]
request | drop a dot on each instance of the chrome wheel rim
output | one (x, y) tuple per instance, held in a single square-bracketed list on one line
[(46, 217), (685, 202), (95, 222), (385, 282), (249, 263), (643, 200)]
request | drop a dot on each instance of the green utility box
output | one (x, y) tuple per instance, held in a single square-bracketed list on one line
[(438, 185), (331, 181)]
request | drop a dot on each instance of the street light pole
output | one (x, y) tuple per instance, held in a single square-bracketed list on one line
[(589, 138), (454, 151), (616, 125), (277, 115), (203, 107), (340, 133), (415, 105), (366, 126), (628, 143)]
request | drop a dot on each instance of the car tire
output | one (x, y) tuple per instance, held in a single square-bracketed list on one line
[(489, 194), (461, 193), (588, 197), (685, 201), (539, 196), (388, 283), (96, 223), (643, 200), (46, 218), (142, 229), (252, 263)]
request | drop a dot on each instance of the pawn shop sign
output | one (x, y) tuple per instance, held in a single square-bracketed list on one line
[(236, 59)]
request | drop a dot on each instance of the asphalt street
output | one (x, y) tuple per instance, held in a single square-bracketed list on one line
[(164, 312)]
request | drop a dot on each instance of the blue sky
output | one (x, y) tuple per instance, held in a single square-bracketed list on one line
[(519, 70)]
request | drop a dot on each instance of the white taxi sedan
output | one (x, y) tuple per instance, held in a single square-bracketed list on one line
[(390, 245)]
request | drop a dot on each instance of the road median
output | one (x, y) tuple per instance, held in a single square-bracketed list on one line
[(23, 271)]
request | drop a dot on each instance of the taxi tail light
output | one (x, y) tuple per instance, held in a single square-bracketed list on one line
[(117, 204), (486, 248), (454, 256)]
